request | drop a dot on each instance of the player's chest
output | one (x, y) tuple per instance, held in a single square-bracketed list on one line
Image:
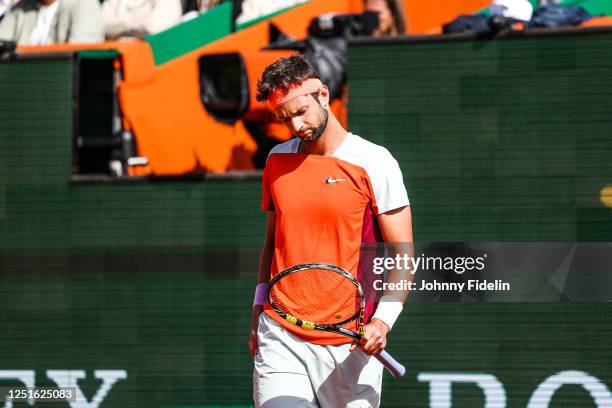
[(320, 191)]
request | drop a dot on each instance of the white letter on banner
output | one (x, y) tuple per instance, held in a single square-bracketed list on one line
[(542, 396), (25, 376), (69, 378), (440, 395)]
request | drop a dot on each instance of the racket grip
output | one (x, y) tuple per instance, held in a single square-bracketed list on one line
[(395, 368)]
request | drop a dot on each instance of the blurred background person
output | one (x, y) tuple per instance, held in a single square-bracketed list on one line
[(390, 17), (192, 8), (138, 18), (200, 6), (41, 22)]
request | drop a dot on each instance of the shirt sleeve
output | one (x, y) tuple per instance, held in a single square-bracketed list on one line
[(266, 194), (388, 184)]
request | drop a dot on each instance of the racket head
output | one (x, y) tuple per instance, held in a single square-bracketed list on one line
[(298, 294), (318, 296)]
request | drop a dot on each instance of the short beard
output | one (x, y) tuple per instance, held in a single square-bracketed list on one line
[(318, 132)]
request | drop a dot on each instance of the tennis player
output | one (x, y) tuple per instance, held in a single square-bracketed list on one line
[(326, 192)]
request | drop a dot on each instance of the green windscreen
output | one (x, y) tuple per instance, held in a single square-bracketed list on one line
[(498, 140)]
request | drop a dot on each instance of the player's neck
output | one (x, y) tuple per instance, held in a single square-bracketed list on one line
[(330, 141)]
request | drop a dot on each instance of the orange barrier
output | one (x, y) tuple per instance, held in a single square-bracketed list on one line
[(137, 58), (163, 107), (179, 135), (598, 22), (427, 17)]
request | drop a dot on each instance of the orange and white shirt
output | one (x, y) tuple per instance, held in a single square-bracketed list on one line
[(326, 208)]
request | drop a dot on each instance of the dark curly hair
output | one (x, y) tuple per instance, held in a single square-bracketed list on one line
[(284, 73)]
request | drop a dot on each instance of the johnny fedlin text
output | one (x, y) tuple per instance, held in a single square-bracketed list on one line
[(471, 284)]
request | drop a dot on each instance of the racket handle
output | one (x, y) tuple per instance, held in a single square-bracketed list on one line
[(395, 368)]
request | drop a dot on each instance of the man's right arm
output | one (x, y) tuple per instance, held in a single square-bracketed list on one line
[(265, 261)]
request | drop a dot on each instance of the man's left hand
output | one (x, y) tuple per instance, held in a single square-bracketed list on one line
[(374, 339)]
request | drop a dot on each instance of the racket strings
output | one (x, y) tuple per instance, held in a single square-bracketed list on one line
[(317, 295)]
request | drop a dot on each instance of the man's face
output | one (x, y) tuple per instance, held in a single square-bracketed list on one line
[(304, 116)]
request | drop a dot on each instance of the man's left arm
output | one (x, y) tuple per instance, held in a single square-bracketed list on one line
[(396, 229)]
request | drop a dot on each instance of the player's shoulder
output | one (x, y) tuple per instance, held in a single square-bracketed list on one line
[(290, 146), (364, 145), (364, 153)]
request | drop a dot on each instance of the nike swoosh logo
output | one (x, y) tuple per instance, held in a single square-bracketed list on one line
[(333, 180)]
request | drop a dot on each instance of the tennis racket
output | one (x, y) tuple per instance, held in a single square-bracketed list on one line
[(324, 297)]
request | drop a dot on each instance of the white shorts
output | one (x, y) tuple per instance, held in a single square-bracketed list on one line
[(290, 372)]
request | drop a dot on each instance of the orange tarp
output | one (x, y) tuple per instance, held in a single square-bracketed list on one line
[(427, 17), (163, 106), (179, 135), (598, 22)]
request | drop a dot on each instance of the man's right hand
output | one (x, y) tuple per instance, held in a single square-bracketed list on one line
[(253, 344)]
